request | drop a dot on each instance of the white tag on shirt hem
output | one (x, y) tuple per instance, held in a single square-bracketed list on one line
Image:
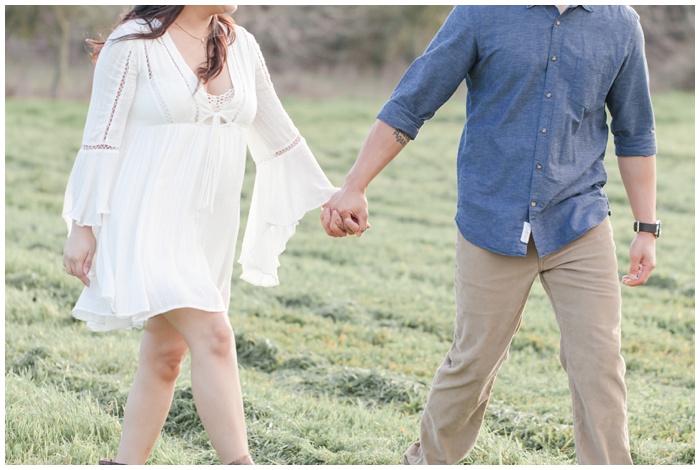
[(525, 237)]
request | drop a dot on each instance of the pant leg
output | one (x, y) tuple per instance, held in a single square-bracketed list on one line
[(582, 283), (491, 291)]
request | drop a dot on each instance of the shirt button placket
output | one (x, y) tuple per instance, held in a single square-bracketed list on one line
[(542, 146)]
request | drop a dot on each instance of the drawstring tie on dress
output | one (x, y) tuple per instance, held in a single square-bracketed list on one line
[(212, 166)]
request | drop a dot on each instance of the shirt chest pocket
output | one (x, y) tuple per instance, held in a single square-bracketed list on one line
[(591, 83)]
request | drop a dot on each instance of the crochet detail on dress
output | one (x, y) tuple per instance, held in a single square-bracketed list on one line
[(148, 62), (217, 101), (281, 152), (156, 91), (119, 94), (289, 147), (167, 49), (264, 67), (99, 147)]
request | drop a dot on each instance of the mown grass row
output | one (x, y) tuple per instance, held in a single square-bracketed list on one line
[(337, 361)]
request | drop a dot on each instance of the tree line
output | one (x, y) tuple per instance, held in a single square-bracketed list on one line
[(367, 38)]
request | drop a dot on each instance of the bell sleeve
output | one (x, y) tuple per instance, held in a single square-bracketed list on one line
[(87, 196), (288, 183)]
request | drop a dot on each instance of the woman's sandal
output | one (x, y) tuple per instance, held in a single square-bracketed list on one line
[(245, 460), (109, 462)]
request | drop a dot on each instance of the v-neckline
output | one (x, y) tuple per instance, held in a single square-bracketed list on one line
[(193, 75)]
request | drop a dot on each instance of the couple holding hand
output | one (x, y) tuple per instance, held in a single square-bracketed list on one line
[(153, 205)]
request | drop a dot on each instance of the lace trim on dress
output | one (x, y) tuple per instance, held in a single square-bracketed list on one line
[(156, 91), (174, 61), (163, 106), (99, 147), (264, 67), (148, 62), (279, 153), (217, 101), (167, 49), (119, 94), (289, 147)]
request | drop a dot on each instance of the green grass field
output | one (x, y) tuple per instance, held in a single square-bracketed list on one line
[(337, 361)]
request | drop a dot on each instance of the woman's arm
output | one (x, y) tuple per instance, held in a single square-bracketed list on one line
[(288, 179), (89, 188)]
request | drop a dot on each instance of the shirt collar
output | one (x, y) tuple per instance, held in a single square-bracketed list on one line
[(589, 8)]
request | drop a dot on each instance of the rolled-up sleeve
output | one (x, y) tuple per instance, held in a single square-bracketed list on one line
[(433, 78), (629, 102)]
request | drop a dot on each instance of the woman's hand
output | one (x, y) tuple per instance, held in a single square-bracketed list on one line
[(346, 213), (78, 252)]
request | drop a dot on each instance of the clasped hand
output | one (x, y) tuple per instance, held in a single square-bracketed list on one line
[(346, 213)]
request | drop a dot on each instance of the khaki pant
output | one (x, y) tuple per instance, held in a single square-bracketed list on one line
[(582, 283)]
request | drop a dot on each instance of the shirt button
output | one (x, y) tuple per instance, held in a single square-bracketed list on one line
[(543, 130), (558, 22), (554, 58), (539, 167), (548, 95), (533, 203)]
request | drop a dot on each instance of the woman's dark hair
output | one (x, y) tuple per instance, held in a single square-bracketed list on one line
[(221, 35)]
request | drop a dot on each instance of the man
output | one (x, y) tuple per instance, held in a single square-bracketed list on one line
[(530, 178)]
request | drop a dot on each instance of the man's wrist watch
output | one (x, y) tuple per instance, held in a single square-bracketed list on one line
[(651, 228)]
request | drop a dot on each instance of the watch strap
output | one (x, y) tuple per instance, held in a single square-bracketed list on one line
[(650, 228)]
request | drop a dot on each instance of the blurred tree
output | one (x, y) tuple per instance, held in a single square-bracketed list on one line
[(57, 26), (61, 16), (373, 37), (366, 37), (31, 20), (669, 31), (306, 38)]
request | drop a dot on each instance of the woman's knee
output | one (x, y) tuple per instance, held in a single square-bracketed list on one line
[(169, 359), (163, 349), (206, 333), (221, 340)]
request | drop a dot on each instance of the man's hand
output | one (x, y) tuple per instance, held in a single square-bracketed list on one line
[(639, 177), (346, 213), (642, 259)]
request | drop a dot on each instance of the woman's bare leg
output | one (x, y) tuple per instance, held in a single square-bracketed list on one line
[(160, 357), (215, 383)]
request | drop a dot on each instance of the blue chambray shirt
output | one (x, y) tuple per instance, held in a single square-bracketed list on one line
[(534, 140)]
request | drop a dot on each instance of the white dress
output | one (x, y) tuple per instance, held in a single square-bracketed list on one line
[(159, 179)]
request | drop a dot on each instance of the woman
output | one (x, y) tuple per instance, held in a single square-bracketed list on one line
[(153, 200)]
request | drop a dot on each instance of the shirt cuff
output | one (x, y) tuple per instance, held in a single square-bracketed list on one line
[(400, 118), (633, 146)]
